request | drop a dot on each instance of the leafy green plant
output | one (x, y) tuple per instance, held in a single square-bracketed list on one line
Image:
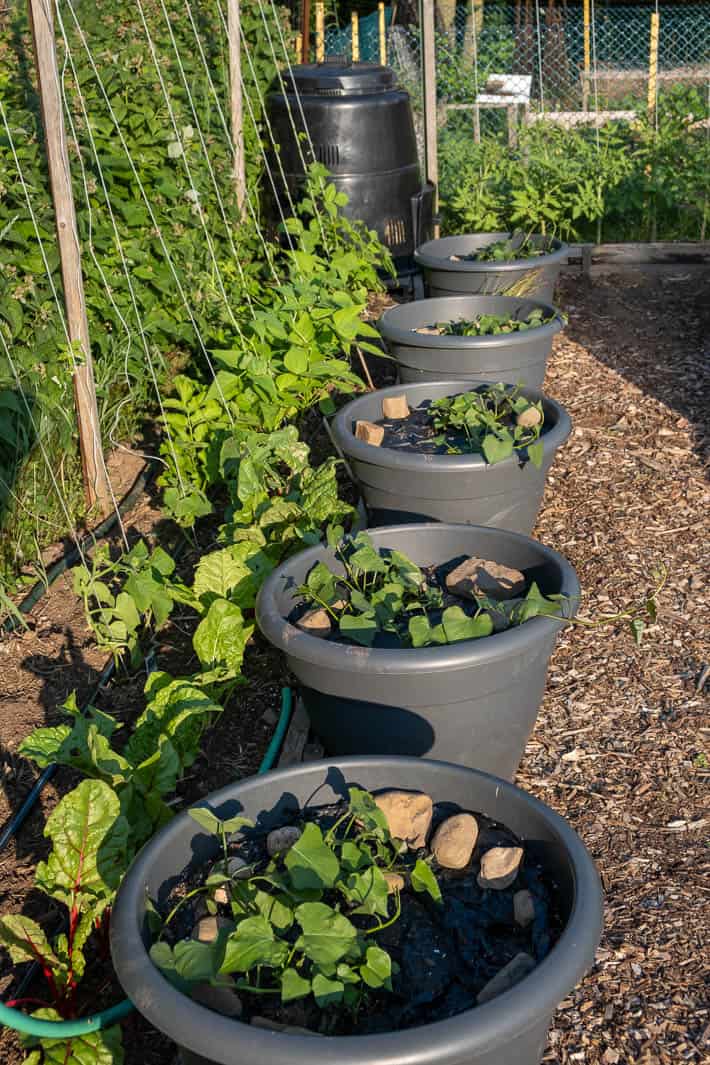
[(518, 245), (493, 421), (381, 595), (306, 920), (122, 594), (493, 324)]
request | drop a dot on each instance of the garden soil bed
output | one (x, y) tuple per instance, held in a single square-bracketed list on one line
[(622, 744)]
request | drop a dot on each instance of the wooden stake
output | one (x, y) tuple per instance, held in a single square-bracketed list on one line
[(587, 38), (383, 32), (355, 33), (96, 484), (235, 99), (306, 32), (653, 63), (431, 159), (320, 31)]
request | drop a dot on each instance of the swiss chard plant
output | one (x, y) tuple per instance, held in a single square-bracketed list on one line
[(495, 421), (305, 922)]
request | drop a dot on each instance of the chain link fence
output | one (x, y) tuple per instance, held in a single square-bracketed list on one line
[(538, 53)]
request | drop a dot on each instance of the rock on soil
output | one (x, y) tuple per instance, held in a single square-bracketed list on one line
[(454, 840), (523, 908), (282, 839), (369, 433), (479, 576), (499, 867), (315, 623), (408, 814), (395, 407)]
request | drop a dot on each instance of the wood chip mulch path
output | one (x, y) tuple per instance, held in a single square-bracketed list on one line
[(622, 744)]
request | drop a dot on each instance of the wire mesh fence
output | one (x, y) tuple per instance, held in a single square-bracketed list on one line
[(551, 55)]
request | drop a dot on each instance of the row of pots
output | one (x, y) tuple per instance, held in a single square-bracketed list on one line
[(472, 703)]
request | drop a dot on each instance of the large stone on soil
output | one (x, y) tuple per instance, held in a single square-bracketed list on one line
[(479, 576), (395, 407), (315, 622), (454, 840), (369, 433), (524, 908), (395, 882), (208, 928), (499, 867), (282, 839), (510, 975), (408, 814)]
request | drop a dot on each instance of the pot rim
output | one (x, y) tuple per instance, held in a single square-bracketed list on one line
[(454, 1039), (425, 255), (397, 661), (391, 331), (418, 462)]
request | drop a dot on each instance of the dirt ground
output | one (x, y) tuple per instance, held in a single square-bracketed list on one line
[(622, 743)]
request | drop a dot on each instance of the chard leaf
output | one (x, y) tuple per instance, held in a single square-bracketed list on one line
[(89, 853), (104, 1047), (221, 637), (24, 940)]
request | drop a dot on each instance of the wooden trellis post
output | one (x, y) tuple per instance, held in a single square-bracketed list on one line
[(96, 484), (306, 32), (320, 31), (431, 157), (587, 53), (383, 32), (653, 63), (355, 34), (235, 101)]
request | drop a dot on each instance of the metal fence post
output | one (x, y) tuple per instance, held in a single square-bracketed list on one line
[(431, 158)]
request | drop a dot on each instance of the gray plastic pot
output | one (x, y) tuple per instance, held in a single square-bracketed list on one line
[(508, 1030), (402, 486), (532, 278), (473, 702), (514, 358)]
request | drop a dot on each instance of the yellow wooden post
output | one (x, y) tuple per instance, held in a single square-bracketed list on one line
[(587, 38), (653, 63), (355, 31), (320, 31), (383, 33)]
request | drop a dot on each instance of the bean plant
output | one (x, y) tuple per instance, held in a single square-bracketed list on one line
[(494, 421)]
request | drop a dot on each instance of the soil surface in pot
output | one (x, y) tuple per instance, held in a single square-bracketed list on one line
[(485, 325), (384, 600), (448, 956), (423, 430)]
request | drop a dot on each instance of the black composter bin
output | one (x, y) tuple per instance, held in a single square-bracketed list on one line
[(360, 126)]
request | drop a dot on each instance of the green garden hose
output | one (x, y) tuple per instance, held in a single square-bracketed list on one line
[(12, 1018)]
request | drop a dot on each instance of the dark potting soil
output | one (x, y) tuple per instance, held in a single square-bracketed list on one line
[(446, 953), (415, 433), (435, 577)]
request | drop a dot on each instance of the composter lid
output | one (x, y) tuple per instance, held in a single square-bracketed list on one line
[(336, 78)]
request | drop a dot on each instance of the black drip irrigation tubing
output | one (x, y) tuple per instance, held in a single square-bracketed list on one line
[(13, 621)]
